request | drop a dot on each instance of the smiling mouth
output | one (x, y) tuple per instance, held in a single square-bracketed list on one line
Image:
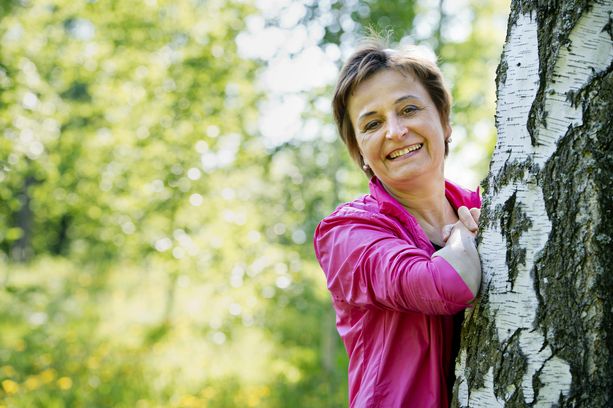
[(401, 152)]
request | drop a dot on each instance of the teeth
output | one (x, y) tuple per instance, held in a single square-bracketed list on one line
[(409, 149)]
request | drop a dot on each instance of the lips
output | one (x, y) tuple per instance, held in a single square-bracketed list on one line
[(405, 150)]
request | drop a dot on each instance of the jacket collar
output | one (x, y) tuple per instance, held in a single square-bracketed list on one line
[(388, 204), (456, 195)]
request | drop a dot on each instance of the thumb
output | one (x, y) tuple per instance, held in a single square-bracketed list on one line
[(447, 231)]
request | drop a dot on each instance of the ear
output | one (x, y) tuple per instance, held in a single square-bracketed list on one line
[(447, 129)]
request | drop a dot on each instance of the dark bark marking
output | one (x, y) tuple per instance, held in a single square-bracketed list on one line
[(501, 72), (510, 369), (513, 223), (555, 23), (482, 341)]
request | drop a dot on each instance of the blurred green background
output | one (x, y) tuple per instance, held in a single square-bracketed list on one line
[(163, 165)]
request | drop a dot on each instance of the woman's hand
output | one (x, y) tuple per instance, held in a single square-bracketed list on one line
[(460, 250), (470, 219)]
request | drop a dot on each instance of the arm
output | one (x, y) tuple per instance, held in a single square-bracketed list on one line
[(460, 250), (368, 265), (461, 253)]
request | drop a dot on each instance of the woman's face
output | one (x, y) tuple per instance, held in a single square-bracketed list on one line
[(398, 128)]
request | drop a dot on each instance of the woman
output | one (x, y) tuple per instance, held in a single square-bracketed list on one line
[(401, 261)]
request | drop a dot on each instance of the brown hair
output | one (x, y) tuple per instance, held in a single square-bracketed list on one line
[(369, 59)]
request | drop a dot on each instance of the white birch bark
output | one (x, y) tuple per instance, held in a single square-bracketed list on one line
[(512, 296)]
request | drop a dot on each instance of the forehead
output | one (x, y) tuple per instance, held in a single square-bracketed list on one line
[(382, 89)]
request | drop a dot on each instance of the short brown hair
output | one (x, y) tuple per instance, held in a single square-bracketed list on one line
[(371, 58)]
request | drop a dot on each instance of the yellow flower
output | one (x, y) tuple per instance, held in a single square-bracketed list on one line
[(188, 401), (10, 387), (47, 375), (32, 382), (7, 371), (64, 383)]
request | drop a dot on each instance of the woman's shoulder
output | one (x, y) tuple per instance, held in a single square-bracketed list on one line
[(364, 206), (360, 217), (352, 225)]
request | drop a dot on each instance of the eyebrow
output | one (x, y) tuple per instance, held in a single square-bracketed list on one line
[(401, 99)]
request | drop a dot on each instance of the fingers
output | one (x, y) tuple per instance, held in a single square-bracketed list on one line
[(458, 233), (447, 231), (466, 217), (476, 213)]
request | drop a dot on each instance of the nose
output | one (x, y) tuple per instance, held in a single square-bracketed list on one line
[(395, 128)]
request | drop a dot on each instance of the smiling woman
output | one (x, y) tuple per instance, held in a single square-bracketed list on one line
[(400, 262), (398, 129)]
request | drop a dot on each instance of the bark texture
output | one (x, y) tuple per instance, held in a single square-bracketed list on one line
[(541, 333)]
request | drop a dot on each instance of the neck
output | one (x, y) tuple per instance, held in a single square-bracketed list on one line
[(427, 203)]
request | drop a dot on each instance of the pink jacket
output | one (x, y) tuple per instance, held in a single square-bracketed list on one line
[(394, 303)]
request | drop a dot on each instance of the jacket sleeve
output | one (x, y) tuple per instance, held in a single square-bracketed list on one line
[(367, 265)]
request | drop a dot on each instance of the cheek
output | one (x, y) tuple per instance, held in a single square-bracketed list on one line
[(371, 140), (364, 145), (370, 150)]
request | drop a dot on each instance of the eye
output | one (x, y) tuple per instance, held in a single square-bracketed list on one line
[(370, 125), (409, 109)]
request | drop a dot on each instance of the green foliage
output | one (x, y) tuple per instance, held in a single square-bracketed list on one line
[(154, 250)]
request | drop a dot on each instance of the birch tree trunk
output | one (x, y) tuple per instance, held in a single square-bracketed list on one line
[(541, 333)]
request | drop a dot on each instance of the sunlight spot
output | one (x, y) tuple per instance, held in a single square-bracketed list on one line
[(178, 252), (213, 131), (80, 28), (202, 146), (228, 193), (281, 268), (279, 229), (299, 237), (248, 321), (157, 186), (128, 227), (228, 215), (219, 338), (196, 200), (280, 119), (236, 281), (236, 276), (163, 244), (458, 28), (235, 309), (253, 236), (194, 173), (29, 101), (38, 318), (35, 149), (283, 282)]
